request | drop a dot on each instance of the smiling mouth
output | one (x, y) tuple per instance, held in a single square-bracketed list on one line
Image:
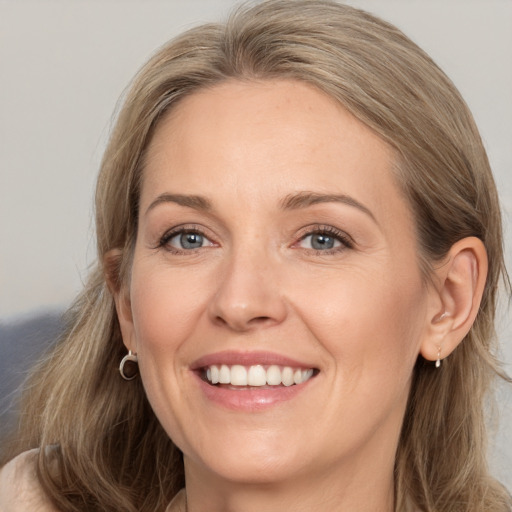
[(244, 377)]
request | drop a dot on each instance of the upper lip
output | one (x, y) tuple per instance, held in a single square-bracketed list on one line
[(231, 357)]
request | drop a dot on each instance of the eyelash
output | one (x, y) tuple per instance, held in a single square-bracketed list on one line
[(346, 242), (179, 230)]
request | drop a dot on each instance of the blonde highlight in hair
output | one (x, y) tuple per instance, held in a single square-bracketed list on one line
[(110, 453)]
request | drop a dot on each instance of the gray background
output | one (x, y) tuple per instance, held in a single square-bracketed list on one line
[(63, 66)]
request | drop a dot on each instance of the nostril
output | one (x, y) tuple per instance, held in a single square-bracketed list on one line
[(220, 320), (260, 320), (242, 324)]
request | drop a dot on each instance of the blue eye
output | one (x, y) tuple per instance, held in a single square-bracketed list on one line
[(325, 239), (189, 240), (186, 240), (320, 242)]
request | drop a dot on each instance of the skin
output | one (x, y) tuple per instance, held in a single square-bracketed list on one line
[(359, 313)]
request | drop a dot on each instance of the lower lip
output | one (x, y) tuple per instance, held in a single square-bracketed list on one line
[(250, 399)]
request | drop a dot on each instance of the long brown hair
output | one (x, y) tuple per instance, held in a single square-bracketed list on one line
[(104, 448)]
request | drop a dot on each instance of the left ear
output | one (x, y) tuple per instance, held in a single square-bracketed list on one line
[(459, 283)]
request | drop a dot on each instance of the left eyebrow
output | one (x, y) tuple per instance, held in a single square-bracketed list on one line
[(305, 199)]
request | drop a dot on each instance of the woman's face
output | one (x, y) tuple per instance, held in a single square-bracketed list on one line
[(276, 253)]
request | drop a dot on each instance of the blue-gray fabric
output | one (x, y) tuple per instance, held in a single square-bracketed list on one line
[(22, 343)]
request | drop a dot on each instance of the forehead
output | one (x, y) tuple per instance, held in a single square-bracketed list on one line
[(245, 140)]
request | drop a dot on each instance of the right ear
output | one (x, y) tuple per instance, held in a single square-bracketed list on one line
[(112, 270)]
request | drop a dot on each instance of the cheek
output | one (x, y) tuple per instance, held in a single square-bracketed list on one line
[(368, 323), (165, 309)]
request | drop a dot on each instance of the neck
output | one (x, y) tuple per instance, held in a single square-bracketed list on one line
[(358, 488)]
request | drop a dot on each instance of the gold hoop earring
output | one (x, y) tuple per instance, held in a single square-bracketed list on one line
[(128, 368)]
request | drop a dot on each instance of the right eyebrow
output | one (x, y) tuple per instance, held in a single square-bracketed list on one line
[(189, 201)]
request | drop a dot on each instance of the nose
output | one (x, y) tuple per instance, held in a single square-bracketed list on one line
[(249, 295)]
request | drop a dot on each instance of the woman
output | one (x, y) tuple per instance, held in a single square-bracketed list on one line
[(299, 249)]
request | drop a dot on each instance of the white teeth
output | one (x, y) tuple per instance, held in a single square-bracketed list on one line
[(238, 375), (274, 376), (257, 375), (214, 374), (225, 375), (306, 376), (287, 376)]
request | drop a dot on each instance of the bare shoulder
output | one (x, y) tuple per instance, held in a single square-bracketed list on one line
[(19, 487)]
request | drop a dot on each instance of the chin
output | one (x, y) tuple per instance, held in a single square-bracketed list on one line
[(248, 462)]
